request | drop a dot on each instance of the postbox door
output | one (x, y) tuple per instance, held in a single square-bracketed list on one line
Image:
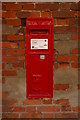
[(39, 65)]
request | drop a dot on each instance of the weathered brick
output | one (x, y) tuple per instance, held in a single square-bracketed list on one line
[(31, 102), (63, 14), (9, 102), (48, 101), (28, 14), (13, 7), (28, 6), (15, 52), (75, 6), (48, 108), (75, 36), (9, 14), (31, 115), (22, 44), (76, 109), (21, 58), (15, 109), (46, 14), (64, 65), (10, 115), (9, 59), (65, 6), (63, 58), (9, 30), (31, 108), (61, 101), (9, 45), (9, 73), (49, 115), (66, 108), (61, 86), (47, 6), (61, 22), (56, 65), (66, 115), (65, 29), (17, 65), (75, 65), (14, 37), (14, 22)]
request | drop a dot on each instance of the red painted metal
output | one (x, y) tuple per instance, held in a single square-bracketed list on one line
[(39, 72)]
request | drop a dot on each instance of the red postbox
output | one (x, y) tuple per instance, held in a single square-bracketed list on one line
[(39, 57)]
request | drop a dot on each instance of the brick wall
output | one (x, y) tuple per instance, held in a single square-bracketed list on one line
[(64, 103)]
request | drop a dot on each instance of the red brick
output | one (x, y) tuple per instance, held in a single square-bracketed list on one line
[(76, 109), (75, 36), (10, 115), (9, 102), (13, 7), (65, 6), (66, 115), (79, 86), (28, 14), (56, 65), (65, 29), (28, 6), (3, 80), (21, 58), (31, 102), (2, 52), (64, 65), (61, 101), (61, 86), (9, 45), (49, 115), (47, 6), (48, 108), (34, 14), (75, 65), (15, 52), (48, 101), (14, 37), (63, 58), (66, 108), (78, 14), (17, 65), (15, 109), (72, 21), (3, 66), (75, 51), (14, 22), (63, 14), (46, 14), (9, 73), (3, 21), (3, 37), (31, 108), (31, 115), (61, 22), (75, 6), (74, 58), (22, 44), (9, 59), (9, 14)]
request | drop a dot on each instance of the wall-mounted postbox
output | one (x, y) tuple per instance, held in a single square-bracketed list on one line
[(39, 57)]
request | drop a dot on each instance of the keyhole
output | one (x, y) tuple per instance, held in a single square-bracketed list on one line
[(35, 78)]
